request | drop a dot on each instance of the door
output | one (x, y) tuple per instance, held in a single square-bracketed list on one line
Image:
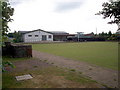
[(44, 37)]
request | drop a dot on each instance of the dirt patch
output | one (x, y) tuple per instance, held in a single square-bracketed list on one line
[(28, 65), (59, 82), (44, 76), (102, 75)]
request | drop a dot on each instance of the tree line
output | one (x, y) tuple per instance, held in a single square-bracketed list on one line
[(108, 36)]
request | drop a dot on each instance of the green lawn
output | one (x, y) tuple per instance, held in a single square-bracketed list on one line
[(100, 53)]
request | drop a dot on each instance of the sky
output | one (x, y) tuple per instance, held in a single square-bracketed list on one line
[(60, 15)]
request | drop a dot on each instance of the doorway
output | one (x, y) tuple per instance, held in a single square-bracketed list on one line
[(44, 37)]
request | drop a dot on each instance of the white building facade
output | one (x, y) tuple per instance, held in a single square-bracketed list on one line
[(37, 35)]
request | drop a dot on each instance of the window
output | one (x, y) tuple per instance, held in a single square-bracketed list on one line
[(36, 35), (29, 35), (49, 36)]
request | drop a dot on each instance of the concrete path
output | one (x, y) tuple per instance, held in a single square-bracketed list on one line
[(102, 75)]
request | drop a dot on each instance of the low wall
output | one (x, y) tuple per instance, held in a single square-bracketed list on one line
[(13, 50)]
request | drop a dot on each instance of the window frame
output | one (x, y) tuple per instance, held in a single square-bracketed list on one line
[(49, 36), (36, 35), (29, 35)]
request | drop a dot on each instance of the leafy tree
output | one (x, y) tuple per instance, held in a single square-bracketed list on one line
[(7, 12), (17, 37), (5, 39), (92, 33), (111, 9), (102, 34), (109, 33), (10, 35)]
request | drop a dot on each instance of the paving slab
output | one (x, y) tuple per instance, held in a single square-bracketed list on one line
[(23, 77)]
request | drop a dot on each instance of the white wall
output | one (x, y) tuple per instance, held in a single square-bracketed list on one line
[(36, 39), (118, 26)]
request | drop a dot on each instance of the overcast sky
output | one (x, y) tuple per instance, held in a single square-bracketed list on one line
[(59, 15)]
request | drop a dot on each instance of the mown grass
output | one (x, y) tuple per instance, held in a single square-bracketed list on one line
[(100, 53)]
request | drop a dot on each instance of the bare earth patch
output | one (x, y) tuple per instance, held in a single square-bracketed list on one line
[(44, 75), (102, 75), (53, 81), (27, 65)]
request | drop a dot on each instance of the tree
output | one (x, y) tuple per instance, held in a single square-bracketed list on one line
[(103, 34), (109, 33), (92, 33), (7, 12), (17, 37), (111, 9), (11, 35)]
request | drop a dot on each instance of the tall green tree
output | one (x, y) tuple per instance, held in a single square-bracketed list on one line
[(17, 37), (103, 34), (111, 10), (109, 33), (7, 12)]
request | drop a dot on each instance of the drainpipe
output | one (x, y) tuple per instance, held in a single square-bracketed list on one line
[(118, 27), (78, 36)]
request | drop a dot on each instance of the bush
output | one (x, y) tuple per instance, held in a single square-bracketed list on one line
[(6, 63)]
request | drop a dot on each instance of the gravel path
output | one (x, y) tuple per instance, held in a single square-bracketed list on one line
[(102, 75)]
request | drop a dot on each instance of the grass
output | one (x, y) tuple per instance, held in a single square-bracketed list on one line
[(15, 59), (99, 53), (73, 70), (46, 78)]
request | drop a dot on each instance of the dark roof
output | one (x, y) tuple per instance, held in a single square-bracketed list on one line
[(72, 34), (80, 32), (59, 32), (24, 32), (118, 32), (89, 34)]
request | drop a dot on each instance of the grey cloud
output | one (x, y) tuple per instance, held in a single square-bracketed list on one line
[(16, 2), (67, 6)]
